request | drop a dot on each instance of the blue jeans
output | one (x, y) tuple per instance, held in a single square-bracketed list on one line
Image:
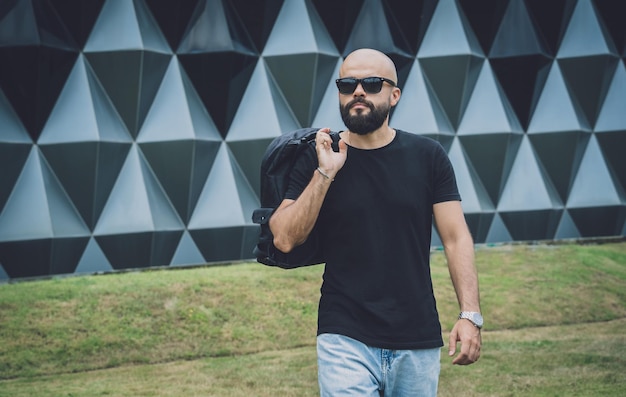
[(347, 367)]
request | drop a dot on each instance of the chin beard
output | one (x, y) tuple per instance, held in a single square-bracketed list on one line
[(363, 124)]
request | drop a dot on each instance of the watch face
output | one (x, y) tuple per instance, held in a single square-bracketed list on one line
[(477, 319)]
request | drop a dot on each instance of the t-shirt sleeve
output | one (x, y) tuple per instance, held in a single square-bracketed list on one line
[(445, 187), (301, 173)]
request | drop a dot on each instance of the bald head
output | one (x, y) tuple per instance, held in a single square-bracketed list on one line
[(368, 62)]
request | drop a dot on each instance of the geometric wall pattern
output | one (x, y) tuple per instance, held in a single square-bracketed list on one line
[(131, 131)]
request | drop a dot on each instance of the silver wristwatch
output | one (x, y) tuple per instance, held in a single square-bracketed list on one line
[(475, 317)]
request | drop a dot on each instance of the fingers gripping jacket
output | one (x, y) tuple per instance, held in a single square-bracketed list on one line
[(276, 166)]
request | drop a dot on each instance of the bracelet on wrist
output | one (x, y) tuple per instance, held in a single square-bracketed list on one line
[(324, 174)]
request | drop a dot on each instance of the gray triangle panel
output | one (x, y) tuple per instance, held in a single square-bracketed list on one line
[(93, 259)]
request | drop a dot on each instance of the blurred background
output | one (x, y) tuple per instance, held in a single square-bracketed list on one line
[(131, 131)]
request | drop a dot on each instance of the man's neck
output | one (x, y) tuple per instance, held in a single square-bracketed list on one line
[(374, 140)]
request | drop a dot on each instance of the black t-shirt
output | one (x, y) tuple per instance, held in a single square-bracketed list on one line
[(375, 229)]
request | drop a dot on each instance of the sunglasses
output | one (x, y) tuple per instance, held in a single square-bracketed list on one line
[(371, 85)]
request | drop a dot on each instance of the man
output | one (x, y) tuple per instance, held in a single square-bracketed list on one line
[(372, 203)]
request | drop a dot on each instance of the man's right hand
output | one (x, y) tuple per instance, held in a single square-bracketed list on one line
[(330, 162)]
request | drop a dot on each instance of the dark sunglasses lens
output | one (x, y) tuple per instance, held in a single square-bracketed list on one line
[(372, 85), (346, 86)]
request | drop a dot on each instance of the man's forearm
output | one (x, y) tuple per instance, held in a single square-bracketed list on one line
[(460, 256), (293, 221)]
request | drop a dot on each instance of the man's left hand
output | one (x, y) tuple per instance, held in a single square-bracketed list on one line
[(469, 336)]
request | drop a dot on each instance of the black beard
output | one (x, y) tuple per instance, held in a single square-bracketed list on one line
[(364, 124)]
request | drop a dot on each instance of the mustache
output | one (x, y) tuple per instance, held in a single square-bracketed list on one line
[(360, 100)]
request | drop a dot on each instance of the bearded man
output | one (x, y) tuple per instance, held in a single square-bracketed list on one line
[(373, 203)]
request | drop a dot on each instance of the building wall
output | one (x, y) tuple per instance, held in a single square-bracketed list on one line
[(131, 131)]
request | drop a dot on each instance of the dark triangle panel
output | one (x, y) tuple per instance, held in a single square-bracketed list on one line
[(249, 154), (551, 19), (532, 225), (66, 253), (181, 167), (140, 250), (3, 274), (339, 18), (25, 23), (522, 78), (41, 257), (411, 19), (492, 157), (258, 18), (589, 78), (452, 79), (222, 89), (32, 78), (485, 18), (473, 193), (26, 258), (78, 16), (173, 17), (219, 244), (249, 241), (131, 79), (560, 154), (87, 171), (15, 144), (304, 94), (599, 221), (12, 158), (479, 225), (612, 15), (613, 145)]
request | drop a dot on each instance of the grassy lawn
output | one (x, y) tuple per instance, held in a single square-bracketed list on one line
[(555, 319)]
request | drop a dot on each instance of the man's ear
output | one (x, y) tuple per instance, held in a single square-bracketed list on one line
[(396, 93)]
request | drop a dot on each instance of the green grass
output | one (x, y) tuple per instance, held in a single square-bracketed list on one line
[(554, 315)]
